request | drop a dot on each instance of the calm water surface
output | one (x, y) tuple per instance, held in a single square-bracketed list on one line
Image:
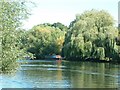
[(54, 74)]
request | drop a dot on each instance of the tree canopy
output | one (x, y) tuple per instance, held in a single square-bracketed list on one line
[(11, 16), (44, 40), (92, 35)]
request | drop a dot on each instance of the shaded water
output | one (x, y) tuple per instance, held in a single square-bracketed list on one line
[(54, 74)]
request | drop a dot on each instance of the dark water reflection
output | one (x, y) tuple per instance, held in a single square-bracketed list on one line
[(53, 74)]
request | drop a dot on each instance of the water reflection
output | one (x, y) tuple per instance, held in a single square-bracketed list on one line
[(93, 75), (56, 74)]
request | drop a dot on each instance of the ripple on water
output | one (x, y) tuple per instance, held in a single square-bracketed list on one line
[(94, 73), (43, 65)]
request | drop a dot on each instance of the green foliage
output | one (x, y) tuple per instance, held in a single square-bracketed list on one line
[(44, 40), (59, 25), (100, 53), (11, 14), (98, 36), (88, 49)]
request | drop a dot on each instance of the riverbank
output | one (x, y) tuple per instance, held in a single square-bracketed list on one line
[(81, 60), (92, 60)]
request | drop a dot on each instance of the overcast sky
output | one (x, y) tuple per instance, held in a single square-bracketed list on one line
[(64, 11)]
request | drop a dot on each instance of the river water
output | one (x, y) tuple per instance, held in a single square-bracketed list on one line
[(56, 74)]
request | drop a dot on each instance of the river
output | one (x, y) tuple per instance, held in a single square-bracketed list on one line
[(56, 74)]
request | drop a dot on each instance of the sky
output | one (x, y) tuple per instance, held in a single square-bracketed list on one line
[(64, 11)]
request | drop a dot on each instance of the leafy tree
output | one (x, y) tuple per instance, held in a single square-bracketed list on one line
[(11, 16), (59, 25), (98, 36), (44, 40)]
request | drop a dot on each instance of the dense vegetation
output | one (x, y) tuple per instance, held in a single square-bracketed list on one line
[(92, 35), (43, 40), (11, 14)]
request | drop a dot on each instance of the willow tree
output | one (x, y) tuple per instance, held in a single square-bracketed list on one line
[(11, 16), (118, 40), (98, 34)]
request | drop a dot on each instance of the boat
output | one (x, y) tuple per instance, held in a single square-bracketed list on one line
[(53, 57)]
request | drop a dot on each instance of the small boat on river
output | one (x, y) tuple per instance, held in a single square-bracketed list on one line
[(53, 57)]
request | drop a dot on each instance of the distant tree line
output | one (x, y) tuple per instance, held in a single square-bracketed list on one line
[(91, 36)]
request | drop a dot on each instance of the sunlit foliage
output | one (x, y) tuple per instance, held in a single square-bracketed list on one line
[(44, 40), (11, 14), (92, 35)]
